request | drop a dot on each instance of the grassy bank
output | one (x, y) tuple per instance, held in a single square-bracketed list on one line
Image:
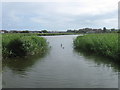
[(19, 45), (53, 34), (101, 44)]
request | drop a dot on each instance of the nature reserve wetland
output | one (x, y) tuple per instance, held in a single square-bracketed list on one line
[(60, 66), (60, 44)]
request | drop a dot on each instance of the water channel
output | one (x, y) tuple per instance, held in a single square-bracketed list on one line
[(60, 67)]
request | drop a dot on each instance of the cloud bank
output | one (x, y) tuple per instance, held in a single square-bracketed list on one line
[(61, 15)]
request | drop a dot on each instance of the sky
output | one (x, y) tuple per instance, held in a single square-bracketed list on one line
[(59, 15)]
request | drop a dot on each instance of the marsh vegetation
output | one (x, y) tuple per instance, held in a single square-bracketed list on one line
[(101, 44), (60, 68), (19, 45)]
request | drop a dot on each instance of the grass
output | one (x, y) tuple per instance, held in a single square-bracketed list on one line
[(101, 44), (53, 34), (19, 45)]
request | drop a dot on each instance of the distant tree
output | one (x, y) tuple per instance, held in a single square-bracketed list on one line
[(40, 31), (104, 29), (44, 31), (5, 31), (118, 31), (14, 31), (112, 29), (69, 30), (25, 31)]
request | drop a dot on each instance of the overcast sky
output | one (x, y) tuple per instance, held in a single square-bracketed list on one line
[(62, 15)]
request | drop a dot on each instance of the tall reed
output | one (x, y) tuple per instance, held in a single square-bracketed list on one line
[(19, 45), (101, 44)]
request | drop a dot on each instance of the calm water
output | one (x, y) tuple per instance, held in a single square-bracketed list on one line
[(60, 67)]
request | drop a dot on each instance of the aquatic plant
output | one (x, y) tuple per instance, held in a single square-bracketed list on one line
[(19, 45), (101, 44), (53, 34)]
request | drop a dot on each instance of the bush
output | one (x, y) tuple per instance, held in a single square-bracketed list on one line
[(102, 44), (19, 45)]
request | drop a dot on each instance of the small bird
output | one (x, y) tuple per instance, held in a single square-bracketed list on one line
[(61, 45)]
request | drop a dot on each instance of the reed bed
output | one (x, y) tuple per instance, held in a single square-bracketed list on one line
[(19, 45), (101, 44), (53, 34)]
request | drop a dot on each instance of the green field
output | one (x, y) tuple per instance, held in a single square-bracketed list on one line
[(101, 44), (19, 45), (53, 34)]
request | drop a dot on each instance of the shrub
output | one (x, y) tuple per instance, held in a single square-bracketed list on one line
[(19, 45), (102, 44)]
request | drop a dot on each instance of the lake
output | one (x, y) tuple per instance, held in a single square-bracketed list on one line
[(60, 67)]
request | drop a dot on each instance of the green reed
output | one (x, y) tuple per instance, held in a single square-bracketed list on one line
[(19, 45), (101, 44)]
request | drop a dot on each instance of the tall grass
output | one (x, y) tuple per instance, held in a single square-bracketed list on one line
[(101, 44), (19, 45), (53, 34)]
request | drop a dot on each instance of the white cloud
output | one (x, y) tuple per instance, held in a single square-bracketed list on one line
[(92, 7), (110, 20), (64, 14), (78, 7), (39, 20), (13, 16), (107, 22)]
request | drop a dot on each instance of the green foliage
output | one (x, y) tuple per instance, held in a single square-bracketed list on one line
[(104, 29), (19, 45), (102, 44), (24, 31), (44, 31), (53, 34)]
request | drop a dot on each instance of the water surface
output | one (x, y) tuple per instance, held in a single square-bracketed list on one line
[(60, 67)]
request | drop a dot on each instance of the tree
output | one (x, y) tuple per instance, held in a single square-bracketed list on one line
[(104, 29), (25, 31), (44, 31), (112, 29)]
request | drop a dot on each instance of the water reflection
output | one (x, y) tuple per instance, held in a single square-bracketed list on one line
[(99, 60), (21, 65)]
